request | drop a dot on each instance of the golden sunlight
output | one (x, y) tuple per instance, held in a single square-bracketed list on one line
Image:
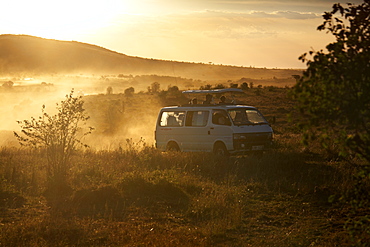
[(58, 19)]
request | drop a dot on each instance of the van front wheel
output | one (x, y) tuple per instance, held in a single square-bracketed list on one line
[(220, 149), (172, 147)]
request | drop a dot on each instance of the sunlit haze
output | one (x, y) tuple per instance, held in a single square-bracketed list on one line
[(243, 32)]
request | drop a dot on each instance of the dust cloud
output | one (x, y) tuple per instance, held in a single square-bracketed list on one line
[(118, 118), (115, 116)]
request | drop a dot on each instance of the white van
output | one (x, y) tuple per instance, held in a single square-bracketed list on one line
[(222, 129)]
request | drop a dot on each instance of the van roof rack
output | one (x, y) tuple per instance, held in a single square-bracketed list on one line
[(205, 105), (213, 91), (223, 90)]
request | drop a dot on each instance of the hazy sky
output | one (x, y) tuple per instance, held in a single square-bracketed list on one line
[(255, 33)]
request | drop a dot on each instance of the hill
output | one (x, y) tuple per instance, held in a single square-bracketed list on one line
[(33, 55)]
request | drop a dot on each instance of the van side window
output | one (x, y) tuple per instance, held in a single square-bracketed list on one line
[(220, 117), (197, 118), (172, 119)]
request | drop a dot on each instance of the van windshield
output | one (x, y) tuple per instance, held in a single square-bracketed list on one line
[(246, 117)]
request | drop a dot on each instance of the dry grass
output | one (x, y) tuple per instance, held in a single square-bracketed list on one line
[(183, 199), (138, 196)]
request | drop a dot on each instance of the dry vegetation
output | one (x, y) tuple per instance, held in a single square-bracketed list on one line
[(130, 194)]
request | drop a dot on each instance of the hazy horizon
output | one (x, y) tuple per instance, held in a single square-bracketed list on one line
[(270, 34)]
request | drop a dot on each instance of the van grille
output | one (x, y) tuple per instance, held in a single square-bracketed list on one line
[(247, 140)]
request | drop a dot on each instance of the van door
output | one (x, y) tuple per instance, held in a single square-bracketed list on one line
[(196, 130), (220, 129)]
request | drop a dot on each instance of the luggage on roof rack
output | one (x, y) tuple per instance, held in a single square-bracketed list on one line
[(223, 90)]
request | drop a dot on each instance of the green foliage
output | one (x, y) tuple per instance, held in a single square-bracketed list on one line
[(58, 134), (358, 223), (333, 99), (333, 94)]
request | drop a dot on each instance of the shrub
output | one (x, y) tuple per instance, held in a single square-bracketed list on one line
[(58, 134)]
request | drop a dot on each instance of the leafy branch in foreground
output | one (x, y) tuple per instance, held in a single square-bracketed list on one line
[(58, 134), (333, 99), (333, 94)]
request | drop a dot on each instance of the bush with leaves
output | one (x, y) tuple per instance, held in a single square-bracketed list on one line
[(333, 94), (334, 102), (129, 91), (58, 134)]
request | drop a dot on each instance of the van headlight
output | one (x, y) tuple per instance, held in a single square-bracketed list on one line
[(239, 137)]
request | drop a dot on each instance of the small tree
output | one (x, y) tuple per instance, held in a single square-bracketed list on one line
[(155, 87), (173, 89), (206, 87), (234, 85), (219, 86), (244, 86), (109, 90), (129, 91), (58, 134)]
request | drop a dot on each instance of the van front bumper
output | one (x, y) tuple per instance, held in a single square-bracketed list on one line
[(252, 142)]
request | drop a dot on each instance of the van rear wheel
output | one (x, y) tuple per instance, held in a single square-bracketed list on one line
[(220, 149), (172, 147)]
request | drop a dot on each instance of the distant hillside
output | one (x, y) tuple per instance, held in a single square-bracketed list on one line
[(27, 54)]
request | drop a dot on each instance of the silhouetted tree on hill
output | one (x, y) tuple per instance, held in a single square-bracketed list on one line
[(109, 90), (244, 86), (155, 87), (129, 91)]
